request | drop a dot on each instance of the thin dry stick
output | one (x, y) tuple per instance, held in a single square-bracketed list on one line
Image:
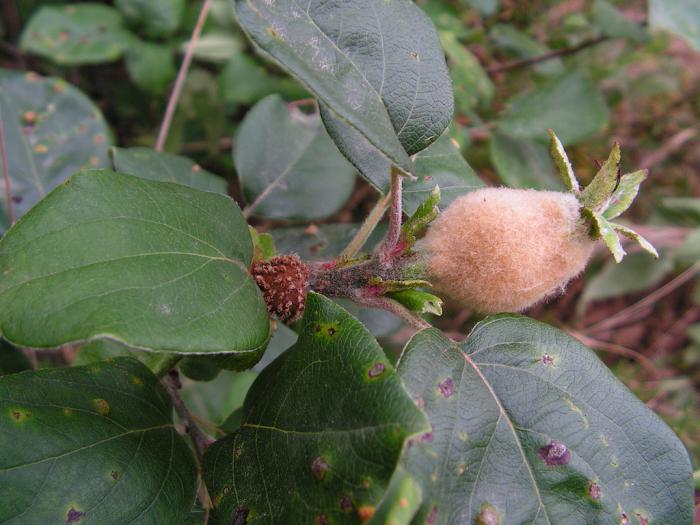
[(517, 64), (181, 76), (614, 348), (668, 148), (628, 313), (6, 171), (392, 236), (366, 229)]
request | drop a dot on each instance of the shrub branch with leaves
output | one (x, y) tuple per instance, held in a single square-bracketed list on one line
[(140, 252)]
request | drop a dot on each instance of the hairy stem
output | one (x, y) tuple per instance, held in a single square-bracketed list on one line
[(6, 171), (366, 229), (181, 76), (392, 236)]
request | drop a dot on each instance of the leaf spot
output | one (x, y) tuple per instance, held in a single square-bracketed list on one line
[(594, 490), (404, 503), (346, 504), (319, 467), (432, 517), (643, 520), (19, 415), (114, 475), (136, 381), (547, 360), (365, 513), (488, 515), (101, 405), (415, 56), (67, 411), (376, 370), (555, 453), (241, 516), (446, 387), (74, 516)]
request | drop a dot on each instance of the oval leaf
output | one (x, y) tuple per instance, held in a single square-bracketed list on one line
[(91, 445), (157, 17), (158, 266), (528, 425), (51, 130), (288, 166), (322, 429), (149, 164), (76, 34), (383, 75), (570, 105)]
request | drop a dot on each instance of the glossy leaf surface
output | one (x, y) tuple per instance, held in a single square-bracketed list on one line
[(158, 266), (322, 429), (98, 445)]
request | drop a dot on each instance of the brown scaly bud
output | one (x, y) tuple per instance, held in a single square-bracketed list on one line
[(284, 281)]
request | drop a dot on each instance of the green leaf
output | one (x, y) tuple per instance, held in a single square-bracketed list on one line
[(214, 400), (571, 105), (102, 350), (288, 166), (425, 213), (322, 242), (616, 25), (155, 265), (365, 74), (529, 424), (419, 301), (637, 272), (12, 359), (440, 164), (149, 164), (473, 87), (76, 34), (322, 429), (522, 45), (522, 163), (631, 234), (681, 17), (151, 66), (214, 47), (158, 18), (401, 501), (601, 228), (625, 194), (561, 160), (263, 245), (51, 130), (599, 193), (485, 7), (93, 444), (199, 368), (244, 81)]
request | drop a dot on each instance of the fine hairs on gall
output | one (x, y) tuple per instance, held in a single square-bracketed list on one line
[(502, 250)]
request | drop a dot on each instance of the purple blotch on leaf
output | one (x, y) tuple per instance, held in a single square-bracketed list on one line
[(555, 453), (345, 504), (427, 437), (623, 519), (376, 370), (432, 517), (447, 387), (74, 516), (547, 360), (241, 516), (319, 467), (321, 519), (594, 490)]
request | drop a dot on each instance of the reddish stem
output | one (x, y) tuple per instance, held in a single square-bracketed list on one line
[(6, 171)]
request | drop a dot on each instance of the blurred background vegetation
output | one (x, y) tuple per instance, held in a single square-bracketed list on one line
[(595, 71)]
